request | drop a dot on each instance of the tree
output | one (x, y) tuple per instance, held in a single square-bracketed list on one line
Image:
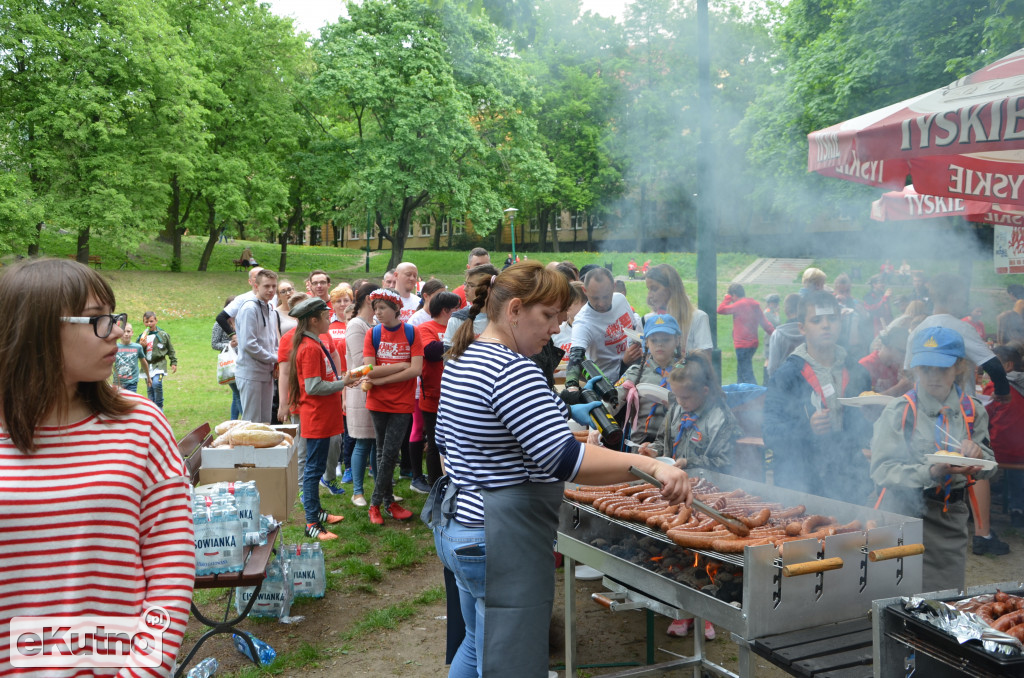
[(422, 106), (252, 63), (93, 91)]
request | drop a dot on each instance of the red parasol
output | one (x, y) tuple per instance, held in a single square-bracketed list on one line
[(908, 204), (965, 140)]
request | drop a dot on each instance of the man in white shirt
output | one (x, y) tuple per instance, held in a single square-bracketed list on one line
[(599, 330), (257, 351), (406, 277)]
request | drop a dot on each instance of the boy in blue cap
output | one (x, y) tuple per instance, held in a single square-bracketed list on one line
[(935, 416)]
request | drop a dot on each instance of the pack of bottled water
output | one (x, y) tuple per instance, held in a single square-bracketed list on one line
[(275, 596), (219, 539), (247, 499), (308, 573)]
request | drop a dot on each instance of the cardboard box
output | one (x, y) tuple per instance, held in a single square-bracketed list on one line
[(278, 486), (246, 455)]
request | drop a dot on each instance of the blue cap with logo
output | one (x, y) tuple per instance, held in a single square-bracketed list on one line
[(661, 323), (936, 347)]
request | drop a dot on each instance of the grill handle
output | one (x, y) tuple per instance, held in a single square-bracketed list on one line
[(602, 600), (812, 567), (896, 552)]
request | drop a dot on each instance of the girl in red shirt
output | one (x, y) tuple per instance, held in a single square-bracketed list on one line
[(314, 382), (397, 358)]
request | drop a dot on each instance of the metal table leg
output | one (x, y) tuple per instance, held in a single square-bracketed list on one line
[(216, 627)]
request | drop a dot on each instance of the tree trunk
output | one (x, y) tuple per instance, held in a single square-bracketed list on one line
[(174, 227), (557, 214), (641, 225), (542, 226), (294, 222), (212, 237), (33, 249), (83, 246), (401, 232), (590, 232)]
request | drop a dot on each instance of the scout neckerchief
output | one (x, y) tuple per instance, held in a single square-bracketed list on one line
[(686, 422)]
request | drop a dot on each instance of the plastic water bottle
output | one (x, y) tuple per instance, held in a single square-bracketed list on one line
[(266, 653), (203, 669)]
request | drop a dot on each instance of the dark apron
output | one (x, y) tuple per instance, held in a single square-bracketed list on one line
[(519, 534)]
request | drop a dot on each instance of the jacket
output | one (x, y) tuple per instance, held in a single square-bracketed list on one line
[(829, 465), (1005, 421)]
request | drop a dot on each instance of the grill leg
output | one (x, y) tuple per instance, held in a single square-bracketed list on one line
[(569, 572), (698, 645)]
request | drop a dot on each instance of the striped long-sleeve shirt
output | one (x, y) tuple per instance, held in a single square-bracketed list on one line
[(96, 522), (498, 425)]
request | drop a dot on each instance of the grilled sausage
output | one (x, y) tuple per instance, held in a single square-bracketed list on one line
[(812, 523), (1008, 621)]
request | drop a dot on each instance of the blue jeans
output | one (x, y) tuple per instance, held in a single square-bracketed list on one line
[(236, 401), (745, 365), (364, 448), (461, 550), (316, 462), (155, 390)]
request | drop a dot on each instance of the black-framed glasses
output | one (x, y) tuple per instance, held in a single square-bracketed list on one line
[(102, 325)]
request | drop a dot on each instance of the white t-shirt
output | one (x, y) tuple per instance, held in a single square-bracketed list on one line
[(563, 339), (409, 306), (419, 317), (977, 350), (601, 335), (699, 336)]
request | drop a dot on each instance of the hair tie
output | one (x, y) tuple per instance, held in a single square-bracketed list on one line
[(493, 278)]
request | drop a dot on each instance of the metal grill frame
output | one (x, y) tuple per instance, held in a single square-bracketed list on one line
[(771, 603)]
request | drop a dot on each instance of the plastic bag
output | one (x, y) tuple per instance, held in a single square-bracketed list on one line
[(226, 365)]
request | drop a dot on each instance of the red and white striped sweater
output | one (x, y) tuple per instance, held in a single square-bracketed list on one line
[(96, 522)]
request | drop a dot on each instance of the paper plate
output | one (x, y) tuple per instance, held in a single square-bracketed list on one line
[(665, 460), (960, 461), (654, 392), (861, 401)]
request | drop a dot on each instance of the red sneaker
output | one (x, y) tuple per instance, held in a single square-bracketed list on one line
[(375, 517), (317, 531), (709, 631), (680, 628), (329, 519), (397, 512)]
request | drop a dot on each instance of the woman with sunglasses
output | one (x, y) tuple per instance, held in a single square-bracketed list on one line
[(94, 511)]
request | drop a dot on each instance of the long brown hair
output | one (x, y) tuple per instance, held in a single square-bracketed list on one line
[(293, 374), (679, 305), (528, 281), (34, 294)]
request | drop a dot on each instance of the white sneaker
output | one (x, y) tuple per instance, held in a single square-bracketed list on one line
[(587, 573), (358, 500)]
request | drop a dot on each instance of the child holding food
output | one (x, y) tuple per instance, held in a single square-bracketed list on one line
[(934, 417), (315, 383), (644, 414), (699, 430)]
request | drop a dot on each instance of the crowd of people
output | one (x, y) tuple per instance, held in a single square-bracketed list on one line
[(456, 391)]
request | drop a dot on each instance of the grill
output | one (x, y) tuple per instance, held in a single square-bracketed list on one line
[(903, 643), (772, 593)]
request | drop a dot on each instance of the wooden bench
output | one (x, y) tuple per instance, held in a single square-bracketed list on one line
[(256, 558), (95, 260), (241, 264)]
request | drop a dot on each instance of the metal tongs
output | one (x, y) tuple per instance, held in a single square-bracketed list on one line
[(734, 525)]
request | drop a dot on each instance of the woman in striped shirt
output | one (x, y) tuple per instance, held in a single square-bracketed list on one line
[(94, 512), (507, 450)]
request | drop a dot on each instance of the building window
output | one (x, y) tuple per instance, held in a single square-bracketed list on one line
[(579, 221), (425, 229), (534, 225)]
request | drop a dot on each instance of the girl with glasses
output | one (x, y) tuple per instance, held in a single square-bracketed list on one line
[(95, 513)]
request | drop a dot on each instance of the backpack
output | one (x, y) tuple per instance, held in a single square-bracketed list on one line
[(410, 335)]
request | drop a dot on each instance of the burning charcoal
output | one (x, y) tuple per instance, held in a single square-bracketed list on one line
[(671, 562), (600, 543)]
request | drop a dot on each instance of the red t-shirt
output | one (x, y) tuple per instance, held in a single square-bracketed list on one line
[(398, 397), (284, 352), (430, 379), (1004, 423), (883, 377), (319, 415)]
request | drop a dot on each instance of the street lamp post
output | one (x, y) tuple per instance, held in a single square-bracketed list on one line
[(511, 212), (368, 228)]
